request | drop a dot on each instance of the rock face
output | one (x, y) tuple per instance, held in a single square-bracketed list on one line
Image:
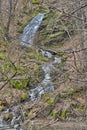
[(30, 30)]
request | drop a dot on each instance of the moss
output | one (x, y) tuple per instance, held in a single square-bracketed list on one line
[(47, 16), (63, 114), (46, 36), (24, 96), (19, 84), (66, 95), (37, 70), (63, 58), (37, 56), (37, 11), (20, 69), (23, 25), (54, 115), (81, 108), (71, 93), (2, 108), (56, 34), (2, 56), (8, 67), (7, 116), (35, 2), (48, 99)]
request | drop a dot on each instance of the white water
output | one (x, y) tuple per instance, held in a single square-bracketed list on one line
[(30, 30), (46, 85)]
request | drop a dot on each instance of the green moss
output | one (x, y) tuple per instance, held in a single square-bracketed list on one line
[(54, 115), (8, 67), (48, 99), (2, 108), (63, 114), (47, 16), (35, 2), (19, 84), (63, 58), (2, 56), (37, 56), (23, 25), (7, 116), (37, 69), (20, 69), (37, 11), (81, 107), (56, 34), (71, 93), (24, 96)]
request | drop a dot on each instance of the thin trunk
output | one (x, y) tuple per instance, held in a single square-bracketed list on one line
[(9, 18)]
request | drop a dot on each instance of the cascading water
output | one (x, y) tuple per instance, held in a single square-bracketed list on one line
[(30, 30), (45, 86), (27, 39)]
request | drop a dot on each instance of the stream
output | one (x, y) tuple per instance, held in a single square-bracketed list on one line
[(46, 84)]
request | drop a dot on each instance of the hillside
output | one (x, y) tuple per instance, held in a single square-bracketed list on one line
[(43, 86)]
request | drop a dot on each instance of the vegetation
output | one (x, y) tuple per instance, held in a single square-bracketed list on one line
[(61, 33)]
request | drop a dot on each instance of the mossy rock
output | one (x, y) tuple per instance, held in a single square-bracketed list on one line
[(7, 116), (2, 108), (35, 2), (24, 97)]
